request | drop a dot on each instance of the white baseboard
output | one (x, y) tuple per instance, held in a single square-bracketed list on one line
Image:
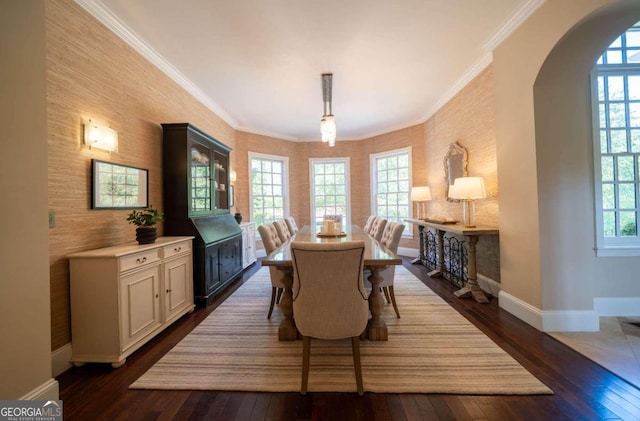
[(60, 360), (570, 321), (489, 285), (522, 310), (408, 252), (617, 306), (48, 391), (551, 320)]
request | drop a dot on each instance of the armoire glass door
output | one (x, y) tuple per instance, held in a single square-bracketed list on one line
[(201, 191)]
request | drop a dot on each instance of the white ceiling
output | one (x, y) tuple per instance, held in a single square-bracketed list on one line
[(257, 63)]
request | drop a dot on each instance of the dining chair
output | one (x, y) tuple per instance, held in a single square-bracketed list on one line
[(367, 225), (291, 223), (377, 228), (390, 240), (329, 298), (283, 230), (271, 241)]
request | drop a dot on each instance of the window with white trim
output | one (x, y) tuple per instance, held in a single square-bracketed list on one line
[(391, 186), (269, 198), (616, 103), (329, 189)]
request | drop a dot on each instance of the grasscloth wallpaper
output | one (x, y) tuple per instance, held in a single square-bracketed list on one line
[(91, 73)]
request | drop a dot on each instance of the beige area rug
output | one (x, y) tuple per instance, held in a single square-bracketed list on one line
[(431, 349)]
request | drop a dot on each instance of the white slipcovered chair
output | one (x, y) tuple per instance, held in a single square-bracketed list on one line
[(271, 241), (390, 239), (329, 298), (283, 230), (291, 223), (377, 228)]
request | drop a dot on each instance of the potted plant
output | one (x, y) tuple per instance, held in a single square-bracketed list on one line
[(146, 220), (237, 215)]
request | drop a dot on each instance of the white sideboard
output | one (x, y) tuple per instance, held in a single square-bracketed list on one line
[(248, 243), (122, 296)]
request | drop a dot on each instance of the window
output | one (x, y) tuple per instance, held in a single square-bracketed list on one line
[(329, 189), (391, 186), (616, 88), (269, 188)]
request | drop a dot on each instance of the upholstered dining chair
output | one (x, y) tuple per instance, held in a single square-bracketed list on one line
[(329, 298), (367, 225), (271, 241), (377, 228), (390, 239), (283, 230), (291, 223)]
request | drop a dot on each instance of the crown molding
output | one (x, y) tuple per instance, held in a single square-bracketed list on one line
[(500, 35), (512, 24), (467, 77), (268, 134), (108, 19)]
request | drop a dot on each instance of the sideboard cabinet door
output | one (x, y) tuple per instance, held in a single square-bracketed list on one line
[(139, 304), (178, 287)]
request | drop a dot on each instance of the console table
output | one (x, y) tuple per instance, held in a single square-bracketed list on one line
[(471, 289)]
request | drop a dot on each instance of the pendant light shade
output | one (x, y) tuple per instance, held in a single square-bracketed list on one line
[(328, 121)]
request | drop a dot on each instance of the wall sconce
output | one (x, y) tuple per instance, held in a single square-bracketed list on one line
[(233, 176), (420, 194), (101, 137), (468, 189)]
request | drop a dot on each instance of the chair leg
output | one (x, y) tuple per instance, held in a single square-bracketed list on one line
[(386, 294), (273, 300), (279, 298), (393, 300), (355, 349), (306, 350)]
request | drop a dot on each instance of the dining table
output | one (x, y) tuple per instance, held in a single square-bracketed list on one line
[(376, 258)]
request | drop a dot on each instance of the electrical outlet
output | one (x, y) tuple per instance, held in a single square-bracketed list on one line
[(52, 219)]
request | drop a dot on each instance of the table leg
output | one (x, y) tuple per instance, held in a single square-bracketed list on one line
[(376, 327), (437, 273), (472, 289), (287, 330)]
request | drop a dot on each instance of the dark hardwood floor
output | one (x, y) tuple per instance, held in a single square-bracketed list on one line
[(582, 389)]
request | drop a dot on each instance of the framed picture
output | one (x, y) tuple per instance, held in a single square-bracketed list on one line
[(232, 200), (116, 186)]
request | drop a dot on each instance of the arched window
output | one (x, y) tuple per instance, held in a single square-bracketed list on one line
[(616, 101)]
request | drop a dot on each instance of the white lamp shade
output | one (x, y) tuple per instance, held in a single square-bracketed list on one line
[(328, 128), (420, 194), (451, 194), (468, 188)]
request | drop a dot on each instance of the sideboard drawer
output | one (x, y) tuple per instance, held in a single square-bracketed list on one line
[(176, 249), (141, 259)]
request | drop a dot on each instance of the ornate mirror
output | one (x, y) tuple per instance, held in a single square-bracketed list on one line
[(455, 165)]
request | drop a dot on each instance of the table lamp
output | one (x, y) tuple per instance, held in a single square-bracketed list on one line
[(420, 194), (468, 189)]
